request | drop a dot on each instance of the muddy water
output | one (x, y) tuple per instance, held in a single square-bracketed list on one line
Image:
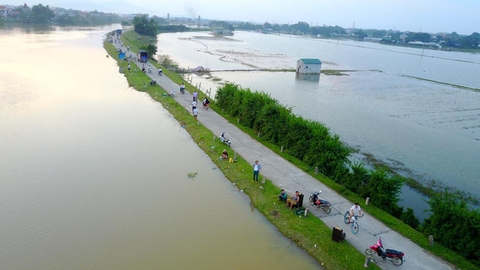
[(94, 175), (389, 107)]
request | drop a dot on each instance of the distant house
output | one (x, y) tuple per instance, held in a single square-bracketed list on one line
[(309, 66), (221, 31), (3, 11)]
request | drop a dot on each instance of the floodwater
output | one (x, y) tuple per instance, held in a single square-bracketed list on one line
[(94, 175), (389, 106)]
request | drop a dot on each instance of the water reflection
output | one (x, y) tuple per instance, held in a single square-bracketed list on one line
[(307, 77), (94, 175)]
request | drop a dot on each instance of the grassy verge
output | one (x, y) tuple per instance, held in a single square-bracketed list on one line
[(309, 233)]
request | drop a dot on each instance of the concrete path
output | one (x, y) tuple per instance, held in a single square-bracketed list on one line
[(285, 175)]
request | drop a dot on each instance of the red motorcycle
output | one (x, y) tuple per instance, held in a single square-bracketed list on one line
[(396, 257)]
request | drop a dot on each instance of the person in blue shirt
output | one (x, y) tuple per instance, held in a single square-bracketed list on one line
[(282, 196)]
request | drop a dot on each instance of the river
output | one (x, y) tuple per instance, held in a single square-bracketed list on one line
[(401, 105), (94, 175)]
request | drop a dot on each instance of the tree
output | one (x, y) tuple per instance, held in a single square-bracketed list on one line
[(151, 49), (144, 26), (21, 14), (41, 14), (302, 27), (454, 225), (360, 34), (409, 218)]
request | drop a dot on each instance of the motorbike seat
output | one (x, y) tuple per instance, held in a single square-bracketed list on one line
[(394, 252), (324, 202)]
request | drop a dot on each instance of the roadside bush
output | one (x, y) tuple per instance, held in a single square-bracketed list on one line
[(408, 217), (454, 225), (309, 141)]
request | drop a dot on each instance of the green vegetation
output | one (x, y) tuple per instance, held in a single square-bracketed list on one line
[(455, 225), (310, 142), (40, 14), (144, 26), (305, 234)]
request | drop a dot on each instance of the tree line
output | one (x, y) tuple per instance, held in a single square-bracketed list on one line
[(449, 40), (451, 222), (40, 14)]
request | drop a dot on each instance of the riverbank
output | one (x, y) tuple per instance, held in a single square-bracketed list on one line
[(291, 179)]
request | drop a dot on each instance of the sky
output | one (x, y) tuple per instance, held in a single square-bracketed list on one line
[(431, 16)]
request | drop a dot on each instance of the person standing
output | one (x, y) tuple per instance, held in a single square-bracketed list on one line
[(256, 169), (195, 113), (128, 67), (195, 95), (194, 105)]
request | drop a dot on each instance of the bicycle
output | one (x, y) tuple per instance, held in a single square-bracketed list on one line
[(355, 226)]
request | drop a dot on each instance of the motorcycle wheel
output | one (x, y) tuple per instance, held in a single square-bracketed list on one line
[(345, 217), (327, 209), (311, 200), (397, 261), (369, 251)]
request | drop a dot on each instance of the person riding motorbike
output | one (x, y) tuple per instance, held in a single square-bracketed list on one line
[(206, 103)]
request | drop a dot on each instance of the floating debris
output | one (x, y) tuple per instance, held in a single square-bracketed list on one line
[(192, 175)]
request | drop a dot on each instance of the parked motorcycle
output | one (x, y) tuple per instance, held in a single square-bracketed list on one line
[(319, 203), (395, 256), (224, 140)]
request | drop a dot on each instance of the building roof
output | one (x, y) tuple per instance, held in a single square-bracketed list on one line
[(311, 61)]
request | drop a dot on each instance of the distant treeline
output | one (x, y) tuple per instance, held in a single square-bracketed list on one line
[(443, 40), (451, 222), (39, 14)]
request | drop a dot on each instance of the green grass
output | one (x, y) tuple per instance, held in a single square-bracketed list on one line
[(305, 232)]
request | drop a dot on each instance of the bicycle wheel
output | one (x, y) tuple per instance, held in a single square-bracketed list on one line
[(346, 217), (369, 251), (355, 227), (397, 261)]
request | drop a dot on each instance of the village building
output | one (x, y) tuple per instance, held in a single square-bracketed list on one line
[(309, 66)]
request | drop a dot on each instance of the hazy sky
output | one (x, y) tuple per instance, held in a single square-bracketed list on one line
[(462, 16)]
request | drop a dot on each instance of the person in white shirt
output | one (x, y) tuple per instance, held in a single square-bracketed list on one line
[(194, 105), (195, 114), (355, 211)]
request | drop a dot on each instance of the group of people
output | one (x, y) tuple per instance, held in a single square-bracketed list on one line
[(355, 211), (292, 201), (149, 69)]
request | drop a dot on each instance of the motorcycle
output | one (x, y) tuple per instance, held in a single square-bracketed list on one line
[(224, 140), (319, 203), (395, 256), (206, 104)]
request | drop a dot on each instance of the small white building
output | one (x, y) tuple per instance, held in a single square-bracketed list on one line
[(309, 66)]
